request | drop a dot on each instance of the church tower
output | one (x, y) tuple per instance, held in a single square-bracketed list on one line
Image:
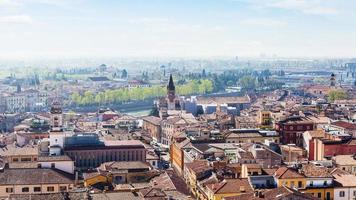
[(56, 117), (332, 80), (171, 94)]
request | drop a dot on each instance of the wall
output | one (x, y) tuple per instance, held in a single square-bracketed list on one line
[(66, 166), (349, 193), (177, 158), (17, 189), (94, 157)]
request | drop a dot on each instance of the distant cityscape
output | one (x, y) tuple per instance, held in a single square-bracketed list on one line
[(167, 133), (177, 100)]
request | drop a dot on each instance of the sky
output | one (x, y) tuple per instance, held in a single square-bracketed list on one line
[(177, 28)]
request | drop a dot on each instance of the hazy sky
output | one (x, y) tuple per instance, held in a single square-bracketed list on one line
[(183, 28)]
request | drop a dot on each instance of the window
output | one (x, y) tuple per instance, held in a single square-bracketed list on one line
[(300, 184), (53, 165), (354, 193), (9, 190), (311, 183), (50, 189), (15, 160), (39, 165), (319, 195), (325, 183), (25, 189), (62, 188), (37, 189), (292, 184)]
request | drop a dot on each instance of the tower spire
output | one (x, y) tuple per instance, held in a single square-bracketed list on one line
[(170, 85)]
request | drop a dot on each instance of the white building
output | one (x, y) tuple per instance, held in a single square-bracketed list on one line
[(26, 101), (344, 187), (63, 163)]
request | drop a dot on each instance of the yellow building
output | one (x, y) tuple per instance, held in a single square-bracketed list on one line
[(319, 182), (346, 163), (290, 177), (265, 119), (251, 136), (228, 188), (94, 178), (13, 154), (194, 171), (250, 169), (34, 181), (320, 193), (120, 173)]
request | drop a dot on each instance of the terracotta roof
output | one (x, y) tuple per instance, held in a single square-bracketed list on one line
[(116, 195), (287, 173), (275, 194), (53, 196), (344, 160), (183, 143), (297, 120), (198, 166), (153, 194), (163, 181), (269, 171), (13, 150), (345, 125), (178, 182), (317, 133), (152, 119), (231, 186), (34, 176), (222, 100), (243, 135), (124, 165), (310, 170), (344, 180)]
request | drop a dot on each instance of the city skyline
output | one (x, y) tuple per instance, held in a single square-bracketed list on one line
[(211, 28)]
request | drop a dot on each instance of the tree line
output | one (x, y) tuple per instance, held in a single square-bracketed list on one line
[(122, 95)]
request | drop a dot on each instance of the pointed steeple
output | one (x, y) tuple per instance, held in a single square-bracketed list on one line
[(170, 85)]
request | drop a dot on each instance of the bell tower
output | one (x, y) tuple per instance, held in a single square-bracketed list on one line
[(56, 117), (171, 94), (332, 80)]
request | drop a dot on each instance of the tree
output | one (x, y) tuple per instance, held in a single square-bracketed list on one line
[(200, 111), (203, 74), (154, 112), (336, 95), (124, 74), (247, 82)]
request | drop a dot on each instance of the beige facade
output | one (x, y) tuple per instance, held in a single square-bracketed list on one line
[(152, 125), (6, 190), (346, 163), (17, 155), (34, 181)]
